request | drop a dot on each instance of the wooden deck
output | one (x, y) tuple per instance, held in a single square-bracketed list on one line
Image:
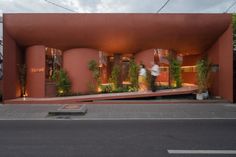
[(109, 96)]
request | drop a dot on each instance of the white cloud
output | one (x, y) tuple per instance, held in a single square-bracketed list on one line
[(114, 6), (198, 6)]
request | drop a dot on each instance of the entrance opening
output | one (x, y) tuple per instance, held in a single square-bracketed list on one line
[(53, 63)]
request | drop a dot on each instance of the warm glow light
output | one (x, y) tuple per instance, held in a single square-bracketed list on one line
[(36, 70), (61, 91), (126, 83), (99, 89), (25, 95), (189, 68)]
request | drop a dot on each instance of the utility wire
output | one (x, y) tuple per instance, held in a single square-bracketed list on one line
[(61, 6), (158, 11), (226, 11)]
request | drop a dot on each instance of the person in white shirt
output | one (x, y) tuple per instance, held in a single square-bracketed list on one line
[(142, 78), (155, 72)]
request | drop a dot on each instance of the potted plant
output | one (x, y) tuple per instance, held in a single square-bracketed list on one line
[(203, 75)]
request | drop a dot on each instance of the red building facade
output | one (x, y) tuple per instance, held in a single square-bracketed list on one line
[(70, 41)]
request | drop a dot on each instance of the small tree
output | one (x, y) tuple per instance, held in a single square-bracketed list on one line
[(175, 70), (114, 78), (203, 75), (94, 68), (133, 74)]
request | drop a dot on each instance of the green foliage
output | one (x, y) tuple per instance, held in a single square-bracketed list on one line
[(133, 74), (106, 88), (63, 83), (132, 89), (22, 78), (120, 90), (94, 68), (203, 74), (175, 71), (115, 74)]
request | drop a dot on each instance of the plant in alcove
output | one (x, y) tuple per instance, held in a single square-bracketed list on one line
[(22, 78), (133, 74), (175, 71), (203, 76), (63, 82), (114, 78), (94, 68)]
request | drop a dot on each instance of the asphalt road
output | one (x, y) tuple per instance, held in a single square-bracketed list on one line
[(117, 138)]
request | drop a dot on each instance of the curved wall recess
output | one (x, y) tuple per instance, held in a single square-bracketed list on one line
[(75, 62)]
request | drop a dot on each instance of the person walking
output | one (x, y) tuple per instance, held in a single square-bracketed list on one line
[(155, 72), (142, 78)]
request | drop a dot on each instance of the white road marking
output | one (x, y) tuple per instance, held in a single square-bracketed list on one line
[(201, 151)]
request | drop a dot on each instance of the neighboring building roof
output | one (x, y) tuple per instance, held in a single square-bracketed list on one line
[(124, 33)]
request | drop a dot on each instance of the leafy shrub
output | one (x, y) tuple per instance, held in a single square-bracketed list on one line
[(175, 70), (63, 83), (115, 76), (106, 88), (133, 74), (94, 68)]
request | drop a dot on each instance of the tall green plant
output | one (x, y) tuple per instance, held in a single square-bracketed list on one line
[(203, 74), (63, 82), (94, 68), (22, 78), (175, 71), (133, 74), (115, 74)]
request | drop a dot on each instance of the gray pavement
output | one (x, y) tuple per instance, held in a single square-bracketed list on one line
[(123, 111), (118, 138)]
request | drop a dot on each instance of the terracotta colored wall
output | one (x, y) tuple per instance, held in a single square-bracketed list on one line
[(213, 55), (35, 63), (75, 62), (190, 60), (145, 57), (222, 53), (12, 56)]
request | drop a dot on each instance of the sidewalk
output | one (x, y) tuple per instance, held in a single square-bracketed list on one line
[(124, 111)]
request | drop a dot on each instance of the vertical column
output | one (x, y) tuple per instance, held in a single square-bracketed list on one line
[(35, 64)]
